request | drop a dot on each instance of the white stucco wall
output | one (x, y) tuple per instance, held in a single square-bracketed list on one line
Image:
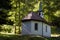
[(26, 28), (39, 31), (30, 27), (48, 33)]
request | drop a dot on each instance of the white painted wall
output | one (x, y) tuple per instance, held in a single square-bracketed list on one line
[(39, 32), (30, 25), (48, 33), (26, 28), (33, 31)]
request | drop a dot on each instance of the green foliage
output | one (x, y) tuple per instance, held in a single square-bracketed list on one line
[(5, 7), (11, 11), (0, 28), (6, 28), (5, 4), (50, 7)]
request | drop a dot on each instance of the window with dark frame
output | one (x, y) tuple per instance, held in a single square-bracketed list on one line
[(36, 26)]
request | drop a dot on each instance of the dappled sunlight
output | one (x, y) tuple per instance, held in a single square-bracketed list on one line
[(57, 13), (7, 29), (51, 4), (12, 12), (55, 35), (36, 6)]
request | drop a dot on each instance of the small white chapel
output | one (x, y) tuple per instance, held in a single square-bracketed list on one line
[(35, 24)]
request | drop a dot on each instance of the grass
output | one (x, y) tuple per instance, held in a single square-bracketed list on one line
[(17, 37)]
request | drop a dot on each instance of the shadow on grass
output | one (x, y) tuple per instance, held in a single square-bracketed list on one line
[(17, 37)]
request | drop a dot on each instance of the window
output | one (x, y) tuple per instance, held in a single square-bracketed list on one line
[(46, 28), (36, 26)]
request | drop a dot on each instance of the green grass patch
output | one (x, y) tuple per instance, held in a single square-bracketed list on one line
[(17, 37)]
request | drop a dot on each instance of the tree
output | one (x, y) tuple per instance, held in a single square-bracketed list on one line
[(50, 9), (5, 7), (20, 9)]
